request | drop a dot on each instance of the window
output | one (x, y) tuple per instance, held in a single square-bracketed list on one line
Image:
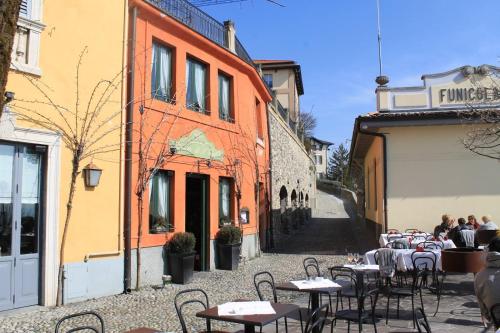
[(25, 51), (225, 200), (268, 79), (258, 119), (160, 202), (196, 81), (319, 159), (161, 72), (225, 98)]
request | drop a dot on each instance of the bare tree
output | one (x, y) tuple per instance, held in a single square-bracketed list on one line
[(308, 123), (9, 13), (484, 137), (82, 127)]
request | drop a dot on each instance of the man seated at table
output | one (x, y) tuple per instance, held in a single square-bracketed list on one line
[(487, 281), (442, 230), (456, 236), (488, 224)]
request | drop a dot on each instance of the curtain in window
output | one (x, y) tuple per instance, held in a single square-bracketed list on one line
[(161, 72), (225, 197), (159, 200), (195, 85), (223, 97)]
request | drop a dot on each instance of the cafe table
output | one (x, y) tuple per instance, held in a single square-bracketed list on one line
[(314, 292), (251, 320)]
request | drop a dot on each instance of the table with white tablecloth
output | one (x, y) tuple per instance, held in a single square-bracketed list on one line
[(415, 240), (404, 260)]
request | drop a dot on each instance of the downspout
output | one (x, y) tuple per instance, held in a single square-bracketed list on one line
[(384, 158), (128, 156), (270, 184)]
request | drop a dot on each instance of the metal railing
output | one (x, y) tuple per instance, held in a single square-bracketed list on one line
[(201, 22)]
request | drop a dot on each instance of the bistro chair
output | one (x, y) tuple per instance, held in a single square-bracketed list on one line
[(418, 276), (393, 237), (411, 231), (311, 267), (422, 322), (398, 244), (196, 297), (264, 281), (428, 261), (317, 319), (430, 245), (360, 314), (63, 325), (393, 231)]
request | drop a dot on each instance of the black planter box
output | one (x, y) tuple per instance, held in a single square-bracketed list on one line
[(181, 267), (228, 256)]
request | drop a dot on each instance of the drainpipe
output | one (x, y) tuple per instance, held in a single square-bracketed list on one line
[(128, 158), (270, 184), (384, 152)]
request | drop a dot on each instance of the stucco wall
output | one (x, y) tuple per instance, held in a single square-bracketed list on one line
[(431, 173), (373, 176), (291, 167)]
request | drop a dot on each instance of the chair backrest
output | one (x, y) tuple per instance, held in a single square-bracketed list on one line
[(392, 237), (262, 279), (386, 259), (311, 267), (425, 260), (495, 315), (411, 231), (393, 231), (398, 244), (429, 237), (421, 321), (318, 324), (188, 297), (340, 273), (60, 326), (430, 245)]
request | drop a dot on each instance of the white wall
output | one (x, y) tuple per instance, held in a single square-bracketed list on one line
[(430, 173)]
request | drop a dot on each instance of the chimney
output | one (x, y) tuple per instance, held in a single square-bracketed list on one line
[(230, 32)]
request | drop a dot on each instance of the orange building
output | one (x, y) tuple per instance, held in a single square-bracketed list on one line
[(197, 115)]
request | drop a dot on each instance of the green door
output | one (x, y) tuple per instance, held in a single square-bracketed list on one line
[(197, 217)]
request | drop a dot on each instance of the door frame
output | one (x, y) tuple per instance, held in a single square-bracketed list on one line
[(49, 247), (206, 179)]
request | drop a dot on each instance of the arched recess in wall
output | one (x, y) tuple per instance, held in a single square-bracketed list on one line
[(301, 197), (283, 198), (294, 198), (307, 200)]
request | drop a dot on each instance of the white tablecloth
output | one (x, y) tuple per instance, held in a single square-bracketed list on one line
[(416, 238), (403, 259)]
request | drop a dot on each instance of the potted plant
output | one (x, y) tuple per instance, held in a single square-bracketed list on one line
[(160, 225), (228, 240), (181, 257)]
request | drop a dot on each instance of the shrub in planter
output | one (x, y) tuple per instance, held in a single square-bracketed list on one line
[(228, 240), (181, 257)]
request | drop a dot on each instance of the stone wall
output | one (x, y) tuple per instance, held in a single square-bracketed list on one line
[(293, 181)]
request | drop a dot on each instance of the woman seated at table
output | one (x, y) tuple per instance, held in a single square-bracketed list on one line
[(487, 281), (472, 221), (442, 230)]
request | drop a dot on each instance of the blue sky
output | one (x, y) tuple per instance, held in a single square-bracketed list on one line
[(335, 41)]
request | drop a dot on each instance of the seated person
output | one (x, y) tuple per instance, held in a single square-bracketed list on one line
[(488, 224), (472, 221), (455, 234), (442, 230), (487, 281)]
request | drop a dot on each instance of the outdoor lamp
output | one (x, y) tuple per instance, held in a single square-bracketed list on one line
[(92, 175)]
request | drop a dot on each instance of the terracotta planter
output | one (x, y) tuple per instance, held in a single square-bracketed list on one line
[(462, 260)]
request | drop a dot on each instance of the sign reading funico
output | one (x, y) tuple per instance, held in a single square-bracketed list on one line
[(454, 95)]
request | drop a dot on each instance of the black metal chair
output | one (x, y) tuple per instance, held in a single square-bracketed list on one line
[(311, 267), (392, 237), (393, 231), (429, 264), (495, 315), (430, 245), (60, 326), (398, 244), (317, 319), (422, 322), (262, 279), (411, 231), (200, 300), (418, 276), (360, 314)]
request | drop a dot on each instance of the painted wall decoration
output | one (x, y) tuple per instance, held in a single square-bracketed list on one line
[(196, 144)]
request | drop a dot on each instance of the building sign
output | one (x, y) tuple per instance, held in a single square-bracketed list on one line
[(464, 95)]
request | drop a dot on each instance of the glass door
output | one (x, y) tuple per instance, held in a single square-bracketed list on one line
[(21, 175)]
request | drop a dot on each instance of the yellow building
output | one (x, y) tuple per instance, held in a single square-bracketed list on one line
[(35, 163), (415, 151)]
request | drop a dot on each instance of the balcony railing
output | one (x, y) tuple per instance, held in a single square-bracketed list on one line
[(201, 22)]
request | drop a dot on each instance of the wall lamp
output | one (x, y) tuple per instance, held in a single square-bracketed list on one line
[(92, 175), (9, 96)]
